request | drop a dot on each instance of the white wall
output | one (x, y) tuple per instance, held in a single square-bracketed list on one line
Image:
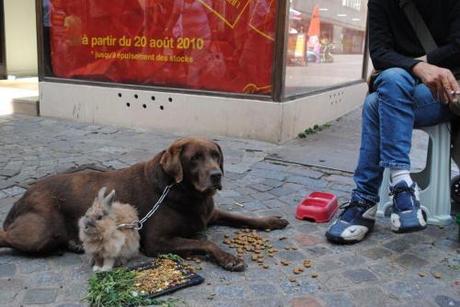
[(20, 37), (197, 114)]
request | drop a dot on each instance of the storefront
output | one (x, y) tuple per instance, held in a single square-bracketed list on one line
[(198, 66)]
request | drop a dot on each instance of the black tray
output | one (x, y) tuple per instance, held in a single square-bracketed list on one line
[(193, 279)]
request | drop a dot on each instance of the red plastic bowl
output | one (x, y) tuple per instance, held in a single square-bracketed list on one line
[(318, 207)]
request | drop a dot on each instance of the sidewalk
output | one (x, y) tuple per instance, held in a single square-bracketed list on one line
[(419, 269)]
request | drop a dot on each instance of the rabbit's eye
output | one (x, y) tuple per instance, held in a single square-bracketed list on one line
[(99, 217)]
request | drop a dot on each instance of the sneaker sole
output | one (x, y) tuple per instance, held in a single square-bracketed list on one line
[(409, 229), (339, 240)]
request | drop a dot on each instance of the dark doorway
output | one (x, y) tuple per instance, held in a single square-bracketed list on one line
[(2, 43)]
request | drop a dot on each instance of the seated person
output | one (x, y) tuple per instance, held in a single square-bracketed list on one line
[(413, 89)]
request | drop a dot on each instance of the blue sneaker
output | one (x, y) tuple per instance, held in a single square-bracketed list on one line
[(353, 224), (407, 216)]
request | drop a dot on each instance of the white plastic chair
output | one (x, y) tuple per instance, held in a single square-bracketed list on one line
[(433, 181)]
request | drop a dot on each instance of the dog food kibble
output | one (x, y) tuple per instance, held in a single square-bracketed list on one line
[(249, 241), (285, 263), (292, 279), (314, 275), (265, 266), (437, 275), (307, 264)]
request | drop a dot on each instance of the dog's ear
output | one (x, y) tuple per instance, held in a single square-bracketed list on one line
[(171, 164), (221, 163)]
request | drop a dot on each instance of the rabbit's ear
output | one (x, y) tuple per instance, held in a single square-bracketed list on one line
[(108, 200), (101, 193)]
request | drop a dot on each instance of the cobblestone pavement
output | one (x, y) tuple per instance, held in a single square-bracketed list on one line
[(419, 269)]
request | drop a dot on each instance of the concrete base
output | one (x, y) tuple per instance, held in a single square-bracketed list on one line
[(26, 105), (197, 114)]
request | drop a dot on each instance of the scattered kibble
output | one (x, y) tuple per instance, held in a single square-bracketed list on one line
[(437, 275), (249, 241), (314, 275), (421, 274)]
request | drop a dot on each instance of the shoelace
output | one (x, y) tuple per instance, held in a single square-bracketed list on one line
[(398, 190), (350, 204)]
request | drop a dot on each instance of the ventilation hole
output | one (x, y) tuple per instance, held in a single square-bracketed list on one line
[(135, 96), (153, 98), (128, 104), (144, 106), (170, 99), (119, 95), (162, 108)]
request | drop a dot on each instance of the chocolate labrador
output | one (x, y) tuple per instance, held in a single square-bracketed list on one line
[(45, 218)]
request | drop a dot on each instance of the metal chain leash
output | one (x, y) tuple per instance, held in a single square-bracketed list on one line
[(137, 225)]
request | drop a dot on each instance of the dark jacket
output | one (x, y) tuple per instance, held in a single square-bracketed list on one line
[(393, 42)]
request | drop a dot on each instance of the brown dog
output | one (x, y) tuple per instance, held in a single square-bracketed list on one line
[(45, 218)]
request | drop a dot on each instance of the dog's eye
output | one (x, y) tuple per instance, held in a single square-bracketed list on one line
[(215, 155), (99, 217), (196, 157)]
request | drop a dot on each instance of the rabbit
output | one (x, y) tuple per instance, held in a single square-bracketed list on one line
[(102, 240)]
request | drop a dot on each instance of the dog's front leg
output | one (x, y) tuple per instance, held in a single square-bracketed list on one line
[(185, 247), (225, 218)]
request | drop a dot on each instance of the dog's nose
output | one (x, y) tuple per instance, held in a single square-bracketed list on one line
[(216, 176)]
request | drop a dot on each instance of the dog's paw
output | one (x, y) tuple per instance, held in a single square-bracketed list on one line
[(275, 222), (231, 263), (75, 247)]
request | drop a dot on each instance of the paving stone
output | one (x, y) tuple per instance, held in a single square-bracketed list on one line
[(411, 261), (301, 287), (13, 191), (305, 301), (272, 183), (7, 270), (263, 289), (377, 253), (307, 182), (305, 171), (40, 296), (404, 290), (398, 245), (346, 180), (360, 276), (230, 291), (445, 301), (261, 187), (370, 296), (337, 300), (48, 278), (10, 290)]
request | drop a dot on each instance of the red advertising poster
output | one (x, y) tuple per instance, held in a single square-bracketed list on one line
[(222, 45)]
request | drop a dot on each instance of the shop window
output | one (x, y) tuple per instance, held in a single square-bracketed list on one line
[(326, 44), (195, 44)]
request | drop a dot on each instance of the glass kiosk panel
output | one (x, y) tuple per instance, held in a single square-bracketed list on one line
[(216, 45), (326, 44)]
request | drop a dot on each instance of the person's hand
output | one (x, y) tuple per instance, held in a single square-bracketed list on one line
[(439, 80)]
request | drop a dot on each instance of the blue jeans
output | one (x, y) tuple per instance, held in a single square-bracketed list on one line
[(399, 104)]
